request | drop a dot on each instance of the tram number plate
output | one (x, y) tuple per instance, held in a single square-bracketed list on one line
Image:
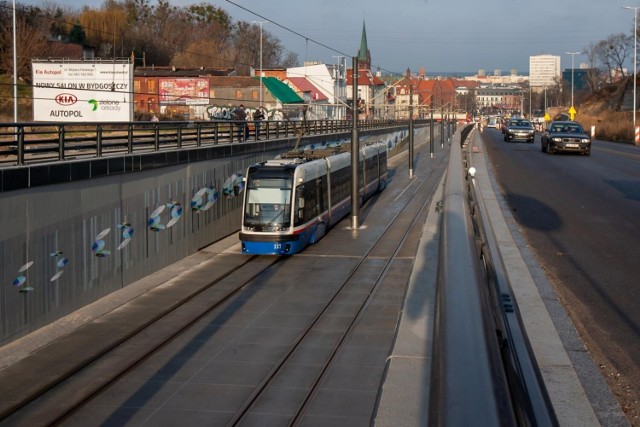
[(277, 246)]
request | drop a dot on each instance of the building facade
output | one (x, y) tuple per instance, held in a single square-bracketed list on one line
[(499, 100), (544, 70)]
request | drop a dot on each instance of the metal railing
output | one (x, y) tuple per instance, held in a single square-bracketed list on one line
[(483, 372), (24, 143), (532, 403)]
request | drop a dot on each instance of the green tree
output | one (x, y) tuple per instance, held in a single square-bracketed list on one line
[(77, 34)]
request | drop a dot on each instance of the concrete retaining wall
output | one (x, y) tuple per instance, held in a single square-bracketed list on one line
[(54, 232)]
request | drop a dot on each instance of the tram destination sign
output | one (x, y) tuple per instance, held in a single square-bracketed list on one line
[(82, 91)]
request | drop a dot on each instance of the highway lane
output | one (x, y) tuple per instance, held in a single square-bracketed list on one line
[(580, 216)]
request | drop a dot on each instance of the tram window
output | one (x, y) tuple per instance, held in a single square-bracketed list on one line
[(282, 184), (268, 201), (299, 216), (310, 205)]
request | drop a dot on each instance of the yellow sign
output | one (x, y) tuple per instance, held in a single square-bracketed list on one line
[(547, 117), (572, 112)]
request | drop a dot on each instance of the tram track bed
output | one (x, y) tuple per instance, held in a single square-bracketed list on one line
[(271, 341)]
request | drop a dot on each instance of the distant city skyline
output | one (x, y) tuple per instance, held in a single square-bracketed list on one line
[(441, 36)]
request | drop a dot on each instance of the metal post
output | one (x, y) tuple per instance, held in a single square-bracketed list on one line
[(99, 141), (61, 145), (261, 85), (410, 131), (355, 149), (635, 62), (15, 68), (431, 135), (260, 64), (442, 127), (21, 148)]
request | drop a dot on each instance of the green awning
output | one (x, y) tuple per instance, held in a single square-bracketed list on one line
[(281, 91)]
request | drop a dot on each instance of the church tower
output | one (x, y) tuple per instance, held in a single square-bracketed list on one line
[(364, 56)]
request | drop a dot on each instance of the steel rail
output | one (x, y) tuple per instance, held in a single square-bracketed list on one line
[(56, 399), (296, 419)]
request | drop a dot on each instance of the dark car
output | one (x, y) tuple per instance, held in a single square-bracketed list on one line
[(519, 130), (565, 136)]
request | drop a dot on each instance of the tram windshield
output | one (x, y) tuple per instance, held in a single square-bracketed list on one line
[(268, 201)]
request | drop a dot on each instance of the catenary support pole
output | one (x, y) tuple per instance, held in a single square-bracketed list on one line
[(355, 149), (411, 131)]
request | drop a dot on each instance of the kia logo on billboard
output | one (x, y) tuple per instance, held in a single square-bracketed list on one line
[(66, 99)]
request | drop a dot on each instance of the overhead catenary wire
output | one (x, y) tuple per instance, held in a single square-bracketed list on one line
[(232, 63)]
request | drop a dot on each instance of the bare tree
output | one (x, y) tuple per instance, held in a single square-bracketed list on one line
[(290, 60), (204, 53), (612, 53), (246, 42), (594, 72), (31, 41), (555, 94)]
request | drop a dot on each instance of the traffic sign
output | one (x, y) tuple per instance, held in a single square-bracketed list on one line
[(547, 117), (572, 112)]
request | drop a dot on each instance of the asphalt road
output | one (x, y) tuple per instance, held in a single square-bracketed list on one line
[(580, 216)]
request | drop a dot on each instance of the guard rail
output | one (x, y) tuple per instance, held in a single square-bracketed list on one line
[(483, 371), (25, 143)]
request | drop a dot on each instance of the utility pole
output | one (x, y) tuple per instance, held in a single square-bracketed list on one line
[(15, 69), (410, 131), (355, 150), (261, 90), (635, 62), (431, 134)]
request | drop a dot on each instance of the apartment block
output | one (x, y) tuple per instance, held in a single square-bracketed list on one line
[(543, 71)]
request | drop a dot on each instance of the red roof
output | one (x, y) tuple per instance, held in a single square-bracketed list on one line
[(305, 86), (365, 78)]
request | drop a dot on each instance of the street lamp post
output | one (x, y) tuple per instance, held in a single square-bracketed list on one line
[(338, 87), (15, 68), (260, 22), (635, 51), (573, 54)]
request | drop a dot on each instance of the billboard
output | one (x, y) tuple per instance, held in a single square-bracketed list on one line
[(82, 91), (183, 91)]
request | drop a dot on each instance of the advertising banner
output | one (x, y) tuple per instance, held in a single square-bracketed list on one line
[(184, 91), (82, 91)]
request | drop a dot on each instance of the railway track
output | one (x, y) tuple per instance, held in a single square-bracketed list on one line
[(284, 329)]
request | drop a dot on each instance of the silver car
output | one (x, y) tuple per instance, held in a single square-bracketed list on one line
[(519, 130)]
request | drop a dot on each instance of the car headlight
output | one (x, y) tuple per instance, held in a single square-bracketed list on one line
[(585, 140), (556, 139)]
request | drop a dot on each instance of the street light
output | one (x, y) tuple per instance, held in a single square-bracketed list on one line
[(573, 54), (635, 50), (338, 88), (260, 22), (15, 68)]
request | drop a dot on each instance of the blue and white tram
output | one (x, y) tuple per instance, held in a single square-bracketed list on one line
[(290, 202)]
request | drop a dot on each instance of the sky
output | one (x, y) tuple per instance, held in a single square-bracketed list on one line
[(437, 35)]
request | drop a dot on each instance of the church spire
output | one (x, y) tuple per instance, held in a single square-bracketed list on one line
[(364, 56)]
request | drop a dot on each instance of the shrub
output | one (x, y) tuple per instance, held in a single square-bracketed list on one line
[(610, 125)]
